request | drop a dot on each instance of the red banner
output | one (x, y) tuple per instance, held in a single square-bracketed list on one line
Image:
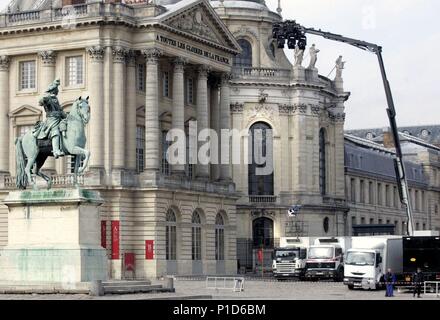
[(104, 234), (149, 249), (129, 261), (115, 240), (260, 255)]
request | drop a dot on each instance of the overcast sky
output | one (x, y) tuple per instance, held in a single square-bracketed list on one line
[(408, 30)]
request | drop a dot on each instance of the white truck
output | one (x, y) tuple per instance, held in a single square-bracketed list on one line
[(369, 259), (290, 258), (325, 258)]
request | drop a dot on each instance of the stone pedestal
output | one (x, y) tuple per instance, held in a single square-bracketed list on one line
[(299, 73), (54, 238), (339, 84)]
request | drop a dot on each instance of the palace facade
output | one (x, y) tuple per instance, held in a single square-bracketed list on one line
[(153, 66)]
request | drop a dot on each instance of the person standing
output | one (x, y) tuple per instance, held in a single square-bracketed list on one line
[(390, 280), (417, 282)]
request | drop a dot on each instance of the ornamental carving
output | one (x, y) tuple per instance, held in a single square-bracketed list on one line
[(300, 108), (48, 57), (194, 22), (285, 109), (245, 31), (260, 111), (338, 117), (96, 53), (152, 55), (237, 107), (119, 54), (316, 110)]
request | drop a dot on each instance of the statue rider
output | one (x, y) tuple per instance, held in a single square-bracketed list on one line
[(50, 129)]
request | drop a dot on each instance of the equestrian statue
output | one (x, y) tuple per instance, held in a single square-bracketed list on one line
[(61, 134)]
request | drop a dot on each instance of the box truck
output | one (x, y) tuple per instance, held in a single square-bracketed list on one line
[(290, 258)]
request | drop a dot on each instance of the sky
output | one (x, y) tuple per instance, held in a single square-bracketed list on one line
[(408, 31)]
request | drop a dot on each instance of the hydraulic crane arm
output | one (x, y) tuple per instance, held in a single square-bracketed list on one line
[(391, 111)]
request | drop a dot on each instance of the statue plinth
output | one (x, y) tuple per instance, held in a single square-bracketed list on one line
[(299, 73), (339, 84), (54, 238)]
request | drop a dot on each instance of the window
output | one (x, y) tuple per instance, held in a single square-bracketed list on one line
[(219, 238), (387, 196), (261, 140), (140, 83), (166, 84), (74, 71), (244, 60), (371, 192), (353, 190), (140, 148), (362, 191), (379, 194), (416, 200), (322, 162), (171, 235), (424, 227), (362, 220), (190, 91), (196, 237), (70, 164), (380, 221), (396, 227), (396, 197), (371, 220), (166, 170), (417, 226), (326, 223), (189, 168), (27, 75)]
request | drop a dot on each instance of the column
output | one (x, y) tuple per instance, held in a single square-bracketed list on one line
[(4, 110), (131, 106), (215, 125), (202, 115), (225, 123), (48, 59), (118, 107), (96, 88), (152, 137), (179, 107)]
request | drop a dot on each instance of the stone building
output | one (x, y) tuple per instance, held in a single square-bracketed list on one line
[(147, 68), (152, 66)]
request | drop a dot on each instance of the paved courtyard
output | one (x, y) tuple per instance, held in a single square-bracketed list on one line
[(254, 290)]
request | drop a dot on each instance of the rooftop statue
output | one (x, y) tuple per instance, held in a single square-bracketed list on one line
[(299, 56), (61, 134), (339, 67), (313, 56)]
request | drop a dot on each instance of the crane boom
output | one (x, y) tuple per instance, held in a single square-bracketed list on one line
[(391, 111)]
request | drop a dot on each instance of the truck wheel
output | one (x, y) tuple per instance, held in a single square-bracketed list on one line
[(350, 287), (339, 276)]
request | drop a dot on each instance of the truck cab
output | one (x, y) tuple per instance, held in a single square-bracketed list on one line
[(325, 261), (363, 268), (289, 259)]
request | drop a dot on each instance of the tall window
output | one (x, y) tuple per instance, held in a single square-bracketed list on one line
[(166, 170), (353, 190), (379, 195), (219, 238), (371, 192), (322, 163), (27, 75), (166, 84), (262, 142), (244, 60), (74, 71), (171, 235), (189, 168), (140, 83), (190, 91), (387, 196), (362, 191), (140, 148), (196, 237)]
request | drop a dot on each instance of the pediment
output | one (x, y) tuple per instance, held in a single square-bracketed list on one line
[(25, 111), (198, 19)]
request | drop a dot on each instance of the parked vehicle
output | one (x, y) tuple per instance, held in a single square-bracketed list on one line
[(290, 258), (325, 259), (369, 259)]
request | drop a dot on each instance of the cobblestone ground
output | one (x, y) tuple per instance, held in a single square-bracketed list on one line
[(254, 290)]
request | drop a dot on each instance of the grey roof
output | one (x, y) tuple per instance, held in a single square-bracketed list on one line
[(371, 159), (432, 137)]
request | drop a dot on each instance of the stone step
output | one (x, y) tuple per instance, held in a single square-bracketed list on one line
[(126, 283), (136, 289)]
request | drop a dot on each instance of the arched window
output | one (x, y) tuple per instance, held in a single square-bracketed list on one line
[(326, 224), (196, 236), (219, 238), (244, 60), (262, 230), (261, 142), (171, 235), (322, 163)]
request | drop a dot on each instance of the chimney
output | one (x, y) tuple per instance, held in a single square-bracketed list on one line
[(388, 140)]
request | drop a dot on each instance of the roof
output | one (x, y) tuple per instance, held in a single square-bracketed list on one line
[(428, 133)]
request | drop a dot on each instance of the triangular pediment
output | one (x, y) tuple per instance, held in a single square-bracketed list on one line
[(198, 19), (25, 110)]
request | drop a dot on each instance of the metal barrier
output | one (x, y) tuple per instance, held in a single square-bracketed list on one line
[(225, 283), (437, 285)]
